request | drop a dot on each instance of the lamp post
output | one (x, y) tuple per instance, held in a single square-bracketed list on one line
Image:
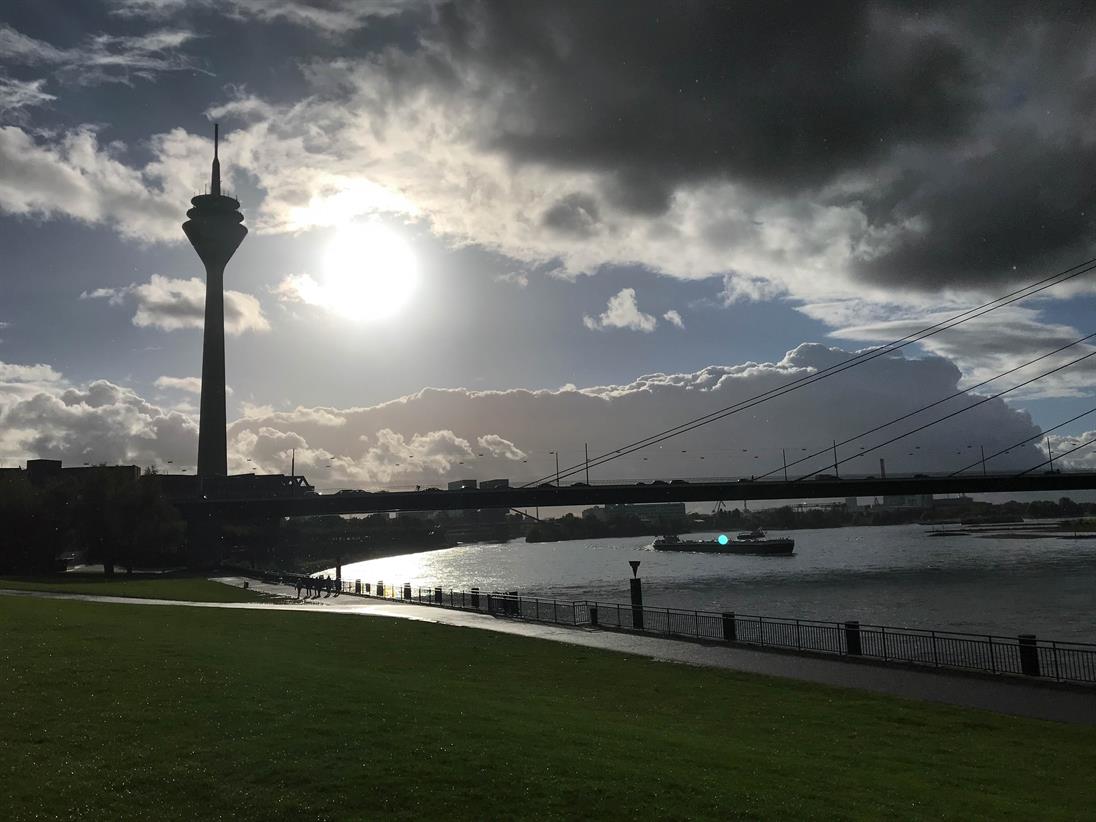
[(557, 466)]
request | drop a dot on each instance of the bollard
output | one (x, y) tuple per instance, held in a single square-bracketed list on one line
[(637, 602), (1029, 655), (852, 637), (730, 629), (593, 616), (475, 598), (437, 595), (407, 591)]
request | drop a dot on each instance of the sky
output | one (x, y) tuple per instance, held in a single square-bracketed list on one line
[(485, 234)]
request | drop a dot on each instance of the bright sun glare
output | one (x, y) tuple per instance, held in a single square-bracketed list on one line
[(369, 272)]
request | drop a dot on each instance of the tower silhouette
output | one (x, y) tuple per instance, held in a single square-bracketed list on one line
[(215, 229)]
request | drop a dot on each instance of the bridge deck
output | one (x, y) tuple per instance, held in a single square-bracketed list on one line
[(579, 494)]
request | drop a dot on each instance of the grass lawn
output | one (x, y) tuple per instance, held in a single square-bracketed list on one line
[(116, 711), (190, 589)]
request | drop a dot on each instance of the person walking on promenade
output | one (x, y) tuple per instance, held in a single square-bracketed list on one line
[(298, 588), (326, 587)]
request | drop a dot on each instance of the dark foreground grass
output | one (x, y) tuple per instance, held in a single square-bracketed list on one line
[(119, 711), (189, 589)]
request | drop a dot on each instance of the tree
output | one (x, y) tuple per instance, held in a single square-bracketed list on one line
[(122, 519), (33, 526)]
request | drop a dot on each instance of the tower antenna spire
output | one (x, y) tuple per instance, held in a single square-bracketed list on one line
[(215, 184)]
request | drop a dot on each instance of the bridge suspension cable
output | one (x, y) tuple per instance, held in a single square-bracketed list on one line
[(1024, 441), (859, 359), (1059, 456), (923, 408), (953, 414)]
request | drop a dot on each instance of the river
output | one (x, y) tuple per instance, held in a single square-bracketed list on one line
[(881, 575)]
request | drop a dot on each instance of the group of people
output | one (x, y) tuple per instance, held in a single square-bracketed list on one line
[(314, 586)]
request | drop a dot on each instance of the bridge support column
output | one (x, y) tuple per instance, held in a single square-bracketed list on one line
[(852, 638), (637, 602), (1029, 655)]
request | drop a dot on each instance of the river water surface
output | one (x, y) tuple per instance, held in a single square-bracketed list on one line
[(882, 575)]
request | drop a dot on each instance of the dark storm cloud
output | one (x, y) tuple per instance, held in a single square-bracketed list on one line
[(965, 128), (573, 214), (778, 95), (1022, 210)]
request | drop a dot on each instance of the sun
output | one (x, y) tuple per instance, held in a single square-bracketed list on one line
[(370, 272)]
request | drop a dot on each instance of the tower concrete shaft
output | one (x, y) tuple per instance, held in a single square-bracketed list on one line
[(215, 230)]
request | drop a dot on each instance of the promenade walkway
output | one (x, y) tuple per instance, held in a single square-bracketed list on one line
[(1002, 695)]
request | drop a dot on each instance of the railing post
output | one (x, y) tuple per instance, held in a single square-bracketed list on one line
[(636, 589), (883, 629), (760, 630), (798, 643), (730, 630), (852, 637), (593, 615), (935, 658), (992, 657), (475, 598), (1029, 655)]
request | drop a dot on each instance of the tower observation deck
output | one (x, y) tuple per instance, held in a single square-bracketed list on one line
[(215, 228)]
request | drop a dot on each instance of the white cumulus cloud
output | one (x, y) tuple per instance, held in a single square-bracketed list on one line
[(622, 312), (173, 304)]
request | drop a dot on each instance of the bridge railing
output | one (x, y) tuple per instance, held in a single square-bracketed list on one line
[(1073, 662)]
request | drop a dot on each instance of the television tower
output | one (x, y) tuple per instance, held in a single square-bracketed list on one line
[(215, 229)]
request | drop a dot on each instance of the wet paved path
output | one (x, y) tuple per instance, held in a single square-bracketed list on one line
[(1003, 695)]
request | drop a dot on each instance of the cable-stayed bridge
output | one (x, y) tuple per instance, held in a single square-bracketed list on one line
[(579, 494)]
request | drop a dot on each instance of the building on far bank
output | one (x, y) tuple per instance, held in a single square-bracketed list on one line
[(41, 471), (651, 512), (907, 501)]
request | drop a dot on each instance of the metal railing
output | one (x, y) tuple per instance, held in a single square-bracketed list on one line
[(1022, 655)]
